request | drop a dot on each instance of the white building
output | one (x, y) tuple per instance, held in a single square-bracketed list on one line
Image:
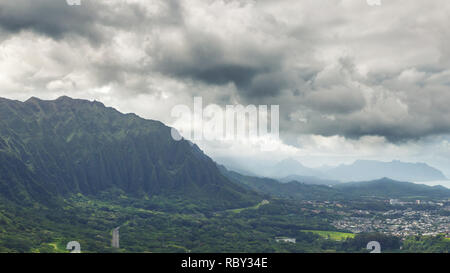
[(285, 240)]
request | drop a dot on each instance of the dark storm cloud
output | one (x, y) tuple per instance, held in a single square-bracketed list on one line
[(93, 20), (339, 68), (338, 99), (55, 19), (209, 59), (218, 74)]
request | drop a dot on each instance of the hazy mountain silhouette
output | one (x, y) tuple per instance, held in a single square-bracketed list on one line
[(389, 188), (309, 180), (382, 188), (289, 167), (361, 170), (369, 170)]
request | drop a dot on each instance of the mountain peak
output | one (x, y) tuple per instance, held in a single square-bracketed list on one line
[(290, 166), (67, 99), (33, 100), (385, 180), (64, 98), (289, 161)]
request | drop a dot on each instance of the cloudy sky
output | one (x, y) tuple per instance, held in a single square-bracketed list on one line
[(352, 80)]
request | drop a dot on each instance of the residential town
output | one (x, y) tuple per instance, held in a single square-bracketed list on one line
[(398, 222), (400, 218)]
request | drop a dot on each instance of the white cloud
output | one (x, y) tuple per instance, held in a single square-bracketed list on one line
[(352, 80)]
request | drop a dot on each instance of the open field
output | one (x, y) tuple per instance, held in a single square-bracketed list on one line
[(333, 235)]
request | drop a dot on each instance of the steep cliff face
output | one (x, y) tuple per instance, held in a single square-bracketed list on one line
[(53, 148)]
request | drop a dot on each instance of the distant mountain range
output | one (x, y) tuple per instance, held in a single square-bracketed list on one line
[(361, 170), (289, 167), (274, 188), (50, 149), (388, 188), (308, 180), (397, 170), (381, 188)]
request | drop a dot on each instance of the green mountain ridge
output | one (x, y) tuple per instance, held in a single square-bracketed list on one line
[(65, 146)]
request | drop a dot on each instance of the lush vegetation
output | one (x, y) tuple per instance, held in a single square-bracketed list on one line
[(73, 170), (152, 225), (50, 149), (430, 244)]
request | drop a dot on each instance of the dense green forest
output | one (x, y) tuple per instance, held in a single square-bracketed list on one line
[(160, 224)]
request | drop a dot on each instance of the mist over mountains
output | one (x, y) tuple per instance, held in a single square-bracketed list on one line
[(51, 149), (361, 170), (381, 188), (369, 169)]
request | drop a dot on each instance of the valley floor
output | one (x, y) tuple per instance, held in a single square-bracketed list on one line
[(163, 225)]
